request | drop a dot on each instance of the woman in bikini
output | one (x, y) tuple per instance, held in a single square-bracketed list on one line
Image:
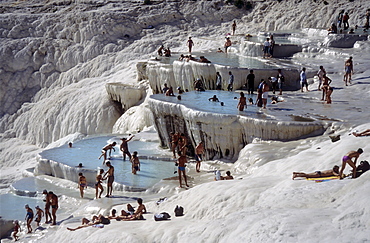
[(98, 184)]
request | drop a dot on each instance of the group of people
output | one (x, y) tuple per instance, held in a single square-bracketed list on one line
[(126, 215), (109, 174), (162, 51), (51, 201), (347, 159)]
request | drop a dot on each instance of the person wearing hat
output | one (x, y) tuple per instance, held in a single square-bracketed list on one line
[(124, 147), (39, 215), (29, 217), (17, 228)]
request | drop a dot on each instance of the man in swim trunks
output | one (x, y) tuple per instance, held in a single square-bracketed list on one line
[(199, 150), (347, 159), (29, 218), (348, 71), (54, 206), (39, 214), (110, 177), (95, 220), (135, 163), (98, 184), (318, 174), (124, 147), (82, 184), (320, 74), (181, 168), (47, 207), (250, 82), (107, 148)]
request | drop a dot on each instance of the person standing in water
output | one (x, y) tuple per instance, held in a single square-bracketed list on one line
[(348, 71), (242, 102), (98, 184), (110, 177), (227, 44), (107, 148), (190, 44), (174, 142), (181, 168), (218, 81), (135, 163), (250, 82), (82, 184), (347, 159), (199, 150), (124, 147)]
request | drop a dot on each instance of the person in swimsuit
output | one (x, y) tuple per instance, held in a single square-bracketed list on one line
[(190, 44), (110, 177), (54, 206), (199, 150), (174, 142), (242, 102), (234, 27), (362, 134), (29, 217), (95, 220), (320, 74), (39, 215), (348, 71), (124, 147), (47, 207), (214, 98), (107, 148), (227, 44), (265, 89), (135, 163), (326, 81), (228, 176), (181, 168), (82, 184), (182, 143), (317, 174), (17, 228), (347, 159), (98, 184)]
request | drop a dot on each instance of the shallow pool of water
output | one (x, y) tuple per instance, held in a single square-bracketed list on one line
[(154, 165), (226, 59)]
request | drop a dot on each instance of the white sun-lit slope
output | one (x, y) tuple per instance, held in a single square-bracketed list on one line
[(56, 58)]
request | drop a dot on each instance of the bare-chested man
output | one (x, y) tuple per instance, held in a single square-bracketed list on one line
[(124, 147), (54, 206), (174, 142), (347, 159), (182, 143), (107, 148), (199, 150), (135, 163), (181, 168), (317, 174), (82, 184), (47, 207), (98, 184), (110, 177)]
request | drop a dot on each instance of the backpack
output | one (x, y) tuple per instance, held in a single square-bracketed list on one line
[(362, 168), (161, 216), (179, 211)]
